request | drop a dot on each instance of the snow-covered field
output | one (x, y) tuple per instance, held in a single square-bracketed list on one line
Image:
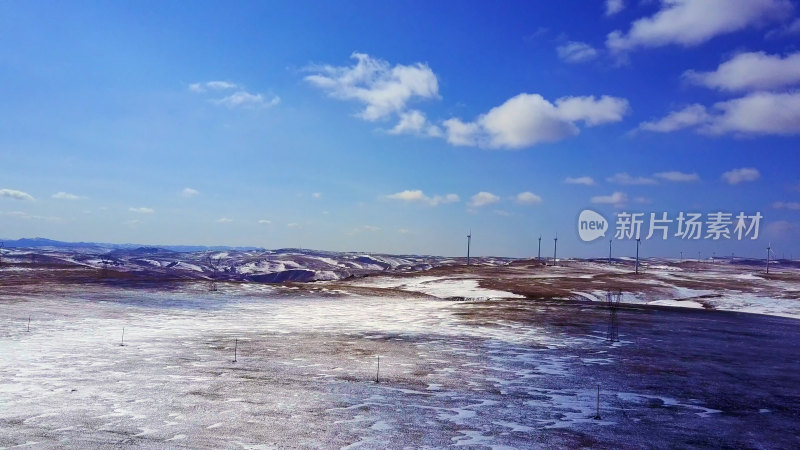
[(515, 373)]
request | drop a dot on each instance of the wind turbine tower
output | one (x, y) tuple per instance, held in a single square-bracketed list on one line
[(555, 248), (609, 251), (539, 255), (638, 242), (469, 240), (769, 247)]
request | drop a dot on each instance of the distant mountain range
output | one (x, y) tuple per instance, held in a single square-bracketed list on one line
[(39, 242)]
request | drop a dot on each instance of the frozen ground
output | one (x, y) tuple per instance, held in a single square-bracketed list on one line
[(497, 373)]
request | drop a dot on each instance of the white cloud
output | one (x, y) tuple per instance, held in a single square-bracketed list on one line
[(265, 222), (687, 117), (316, 195), (142, 210), (786, 30), (419, 196), (15, 194), (211, 86), (224, 220), (676, 176), (781, 229), (794, 206), (528, 119), (293, 225), (763, 113), (26, 216), (750, 71), (586, 181), (617, 198), (643, 200), (461, 133), (614, 6), (67, 196), (626, 179), (576, 52), (758, 113), (742, 175), (414, 122), (482, 199), (247, 100), (403, 231), (240, 98), (692, 22), (189, 192), (381, 88), (528, 198)]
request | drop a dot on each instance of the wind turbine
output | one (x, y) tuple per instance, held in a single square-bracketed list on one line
[(469, 240), (555, 247), (638, 242), (769, 249), (539, 255)]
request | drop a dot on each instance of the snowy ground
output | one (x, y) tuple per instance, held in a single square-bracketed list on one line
[(516, 372)]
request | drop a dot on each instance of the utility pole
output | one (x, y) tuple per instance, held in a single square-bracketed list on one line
[(609, 251), (681, 256), (638, 241)]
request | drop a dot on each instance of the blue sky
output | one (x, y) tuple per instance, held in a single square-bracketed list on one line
[(397, 127)]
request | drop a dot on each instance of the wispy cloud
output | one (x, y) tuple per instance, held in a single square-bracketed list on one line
[(586, 181), (67, 196), (689, 116), (528, 198), (142, 210), (419, 196), (576, 52), (676, 176), (758, 113), (241, 98), (265, 222), (224, 220), (383, 89), (25, 216), (794, 206), (316, 195), (617, 198), (189, 192), (364, 229), (614, 7), (212, 86), (482, 199), (750, 71), (626, 179), (15, 194), (247, 100), (692, 22), (738, 176)]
